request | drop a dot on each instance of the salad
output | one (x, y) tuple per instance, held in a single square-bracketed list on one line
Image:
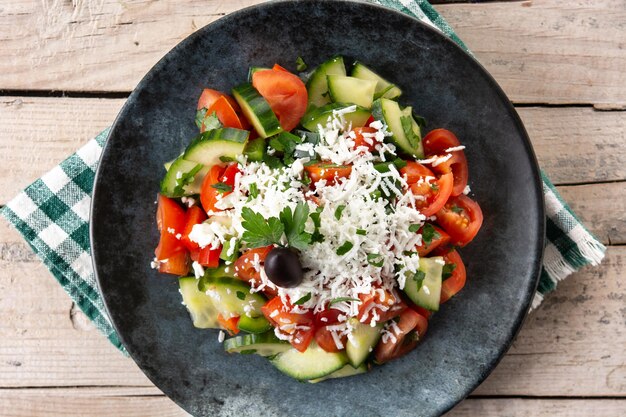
[(312, 222)]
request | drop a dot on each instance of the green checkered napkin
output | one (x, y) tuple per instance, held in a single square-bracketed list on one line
[(53, 216)]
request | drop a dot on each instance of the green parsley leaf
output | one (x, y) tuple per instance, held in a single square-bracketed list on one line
[(456, 209), (421, 122), (414, 228), (300, 64), (260, 232), (185, 179), (200, 115), (317, 237), (306, 180), (400, 163), (222, 187), (241, 295), (342, 299), (419, 279), (226, 159), (303, 300), (434, 186), (272, 161), (447, 271), (211, 122), (375, 259), (409, 253), (361, 232), (345, 248), (254, 190), (429, 233), (339, 210), (294, 225), (247, 352), (407, 127)]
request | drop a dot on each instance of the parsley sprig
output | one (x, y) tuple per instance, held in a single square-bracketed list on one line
[(263, 232)]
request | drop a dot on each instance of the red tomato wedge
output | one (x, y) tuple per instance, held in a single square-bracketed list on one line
[(245, 270), (210, 96), (328, 316), (230, 325), (177, 264), (456, 281), (404, 341), (361, 141), (325, 340), (413, 171), (301, 327), (461, 217), (225, 112), (381, 304), (195, 215), (208, 193), (285, 93), (209, 257), (437, 142), (229, 174), (171, 220), (327, 171), (432, 238), (277, 67), (433, 194)]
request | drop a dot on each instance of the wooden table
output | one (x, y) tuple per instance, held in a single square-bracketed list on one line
[(67, 67)]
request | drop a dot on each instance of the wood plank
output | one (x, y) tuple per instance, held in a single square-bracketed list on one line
[(558, 51), (557, 352), (573, 145), (103, 402), (549, 51)]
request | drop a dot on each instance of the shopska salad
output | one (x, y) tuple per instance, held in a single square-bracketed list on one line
[(313, 222)]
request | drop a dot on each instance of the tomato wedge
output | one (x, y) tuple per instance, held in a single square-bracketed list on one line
[(228, 176), (461, 217), (325, 340), (225, 113), (208, 193), (277, 67), (286, 94), (245, 270), (210, 96), (301, 327), (171, 220), (177, 264), (195, 215), (410, 328), (381, 304), (432, 238), (328, 316), (455, 282), (433, 195), (230, 325), (437, 142), (327, 171), (366, 141), (209, 257)]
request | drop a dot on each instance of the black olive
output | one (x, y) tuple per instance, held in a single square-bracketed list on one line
[(283, 267)]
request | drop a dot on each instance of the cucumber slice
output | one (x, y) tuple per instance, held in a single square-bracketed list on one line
[(252, 70), (180, 175), (200, 306), (429, 292), (383, 87), (257, 110), (323, 114), (255, 150), (407, 112), (207, 148), (253, 325), (365, 338), (317, 86), (344, 89), (399, 124), (220, 271), (265, 344), (346, 371), (231, 296), (313, 363)]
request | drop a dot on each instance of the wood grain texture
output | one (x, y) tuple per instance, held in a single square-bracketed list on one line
[(557, 352), (552, 51), (573, 145), (538, 408)]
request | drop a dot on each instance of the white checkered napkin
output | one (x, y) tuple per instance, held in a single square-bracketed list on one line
[(53, 215)]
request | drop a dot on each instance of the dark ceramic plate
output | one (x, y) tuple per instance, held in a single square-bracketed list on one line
[(445, 85)]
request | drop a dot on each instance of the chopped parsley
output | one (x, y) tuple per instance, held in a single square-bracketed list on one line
[(361, 232), (429, 233), (447, 271), (183, 179), (456, 209), (226, 159), (419, 279), (300, 64), (342, 299), (241, 295), (254, 190), (317, 237), (338, 211), (414, 228), (375, 259), (434, 186), (303, 300), (345, 248), (206, 123), (222, 187)]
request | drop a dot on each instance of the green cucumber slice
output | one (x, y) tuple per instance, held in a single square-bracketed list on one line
[(255, 150), (399, 124), (407, 114), (383, 87), (252, 70), (313, 363), (321, 116), (317, 86), (429, 293), (220, 271), (231, 296), (209, 147), (180, 175), (346, 371), (353, 90), (264, 344), (253, 325), (366, 337), (200, 306), (257, 110)]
